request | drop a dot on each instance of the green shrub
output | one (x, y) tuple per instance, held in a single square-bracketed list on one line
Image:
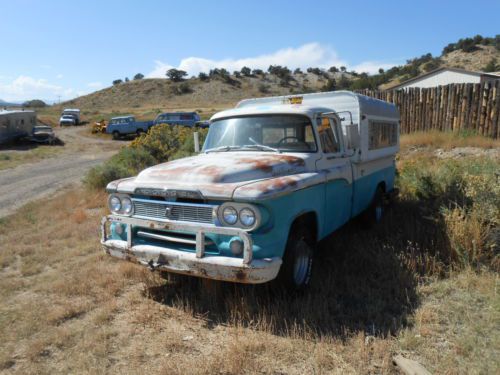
[(128, 162), (183, 88), (160, 144), (176, 75), (263, 88)]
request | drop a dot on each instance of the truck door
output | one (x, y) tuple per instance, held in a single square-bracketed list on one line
[(337, 169)]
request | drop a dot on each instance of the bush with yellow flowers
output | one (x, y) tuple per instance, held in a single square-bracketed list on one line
[(160, 144)]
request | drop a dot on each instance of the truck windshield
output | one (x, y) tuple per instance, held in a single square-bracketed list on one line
[(292, 133)]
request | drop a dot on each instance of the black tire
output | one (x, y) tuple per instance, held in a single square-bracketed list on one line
[(139, 132), (116, 135), (296, 270), (373, 215)]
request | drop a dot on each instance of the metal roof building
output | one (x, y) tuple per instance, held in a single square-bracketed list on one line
[(446, 76)]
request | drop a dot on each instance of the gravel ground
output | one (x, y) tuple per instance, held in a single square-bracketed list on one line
[(28, 182)]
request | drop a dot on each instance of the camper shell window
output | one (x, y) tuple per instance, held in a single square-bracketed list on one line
[(382, 134)]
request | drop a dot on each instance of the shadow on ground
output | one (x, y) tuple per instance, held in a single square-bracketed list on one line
[(26, 145), (364, 281)]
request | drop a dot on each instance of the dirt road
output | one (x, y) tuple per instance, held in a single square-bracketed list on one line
[(27, 182)]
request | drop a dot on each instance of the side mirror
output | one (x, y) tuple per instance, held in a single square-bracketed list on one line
[(196, 136), (352, 134)]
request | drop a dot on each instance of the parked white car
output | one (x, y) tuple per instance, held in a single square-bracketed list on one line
[(67, 120), (72, 112)]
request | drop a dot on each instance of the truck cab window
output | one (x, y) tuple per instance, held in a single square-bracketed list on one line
[(328, 135)]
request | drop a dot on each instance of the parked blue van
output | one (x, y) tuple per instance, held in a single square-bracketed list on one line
[(178, 118)]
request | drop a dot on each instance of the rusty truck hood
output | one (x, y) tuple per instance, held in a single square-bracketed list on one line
[(219, 175)]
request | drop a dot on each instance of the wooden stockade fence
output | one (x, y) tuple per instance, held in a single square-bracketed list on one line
[(455, 107)]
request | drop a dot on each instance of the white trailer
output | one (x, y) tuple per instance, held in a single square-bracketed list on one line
[(16, 124)]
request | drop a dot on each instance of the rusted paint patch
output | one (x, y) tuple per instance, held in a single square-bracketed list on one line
[(240, 275), (280, 185), (267, 163)]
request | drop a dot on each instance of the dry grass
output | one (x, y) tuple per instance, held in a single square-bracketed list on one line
[(446, 140), (11, 157), (65, 307), (457, 326)]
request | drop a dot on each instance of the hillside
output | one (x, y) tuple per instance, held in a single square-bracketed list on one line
[(220, 90), (163, 93), (475, 60)]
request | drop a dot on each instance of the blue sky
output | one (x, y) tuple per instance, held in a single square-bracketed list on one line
[(68, 48)]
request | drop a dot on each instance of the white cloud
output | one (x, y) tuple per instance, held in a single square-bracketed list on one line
[(59, 76), (25, 88), (95, 85), (305, 56), (371, 67), (308, 55)]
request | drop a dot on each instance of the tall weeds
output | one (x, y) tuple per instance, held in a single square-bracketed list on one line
[(462, 196)]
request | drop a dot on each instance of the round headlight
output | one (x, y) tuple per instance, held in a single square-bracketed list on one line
[(115, 204), (127, 205), (230, 215), (247, 217)]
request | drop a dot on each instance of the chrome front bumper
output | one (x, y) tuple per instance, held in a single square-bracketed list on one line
[(241, 270)]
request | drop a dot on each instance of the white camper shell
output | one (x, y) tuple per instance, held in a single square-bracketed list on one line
[(370, 126), (16, 124)]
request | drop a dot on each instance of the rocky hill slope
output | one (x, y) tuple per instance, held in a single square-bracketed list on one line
[(221, 90)]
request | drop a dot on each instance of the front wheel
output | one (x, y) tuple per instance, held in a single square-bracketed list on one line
[(116, 135), (295, 272)]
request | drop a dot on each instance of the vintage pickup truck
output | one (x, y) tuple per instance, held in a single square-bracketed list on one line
[(275, 176)]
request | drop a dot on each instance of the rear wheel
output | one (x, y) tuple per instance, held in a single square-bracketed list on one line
[(295, 272), (116, 135), (139, 132)]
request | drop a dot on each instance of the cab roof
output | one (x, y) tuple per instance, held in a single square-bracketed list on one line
[(293, 109), (178, 113), (119, 117)]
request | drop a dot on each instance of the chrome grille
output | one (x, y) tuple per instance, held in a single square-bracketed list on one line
[(198, 213)]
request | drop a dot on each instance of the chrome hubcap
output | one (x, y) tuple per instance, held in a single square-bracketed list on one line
[(378, 213)]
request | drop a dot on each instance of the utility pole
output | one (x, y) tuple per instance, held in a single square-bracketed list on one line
[(59, 96)]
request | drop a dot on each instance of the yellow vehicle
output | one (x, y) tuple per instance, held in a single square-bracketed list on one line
[(99, 127)]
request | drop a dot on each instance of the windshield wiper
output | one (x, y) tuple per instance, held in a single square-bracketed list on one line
[(240, 147), (221, 148), (262, 147)]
